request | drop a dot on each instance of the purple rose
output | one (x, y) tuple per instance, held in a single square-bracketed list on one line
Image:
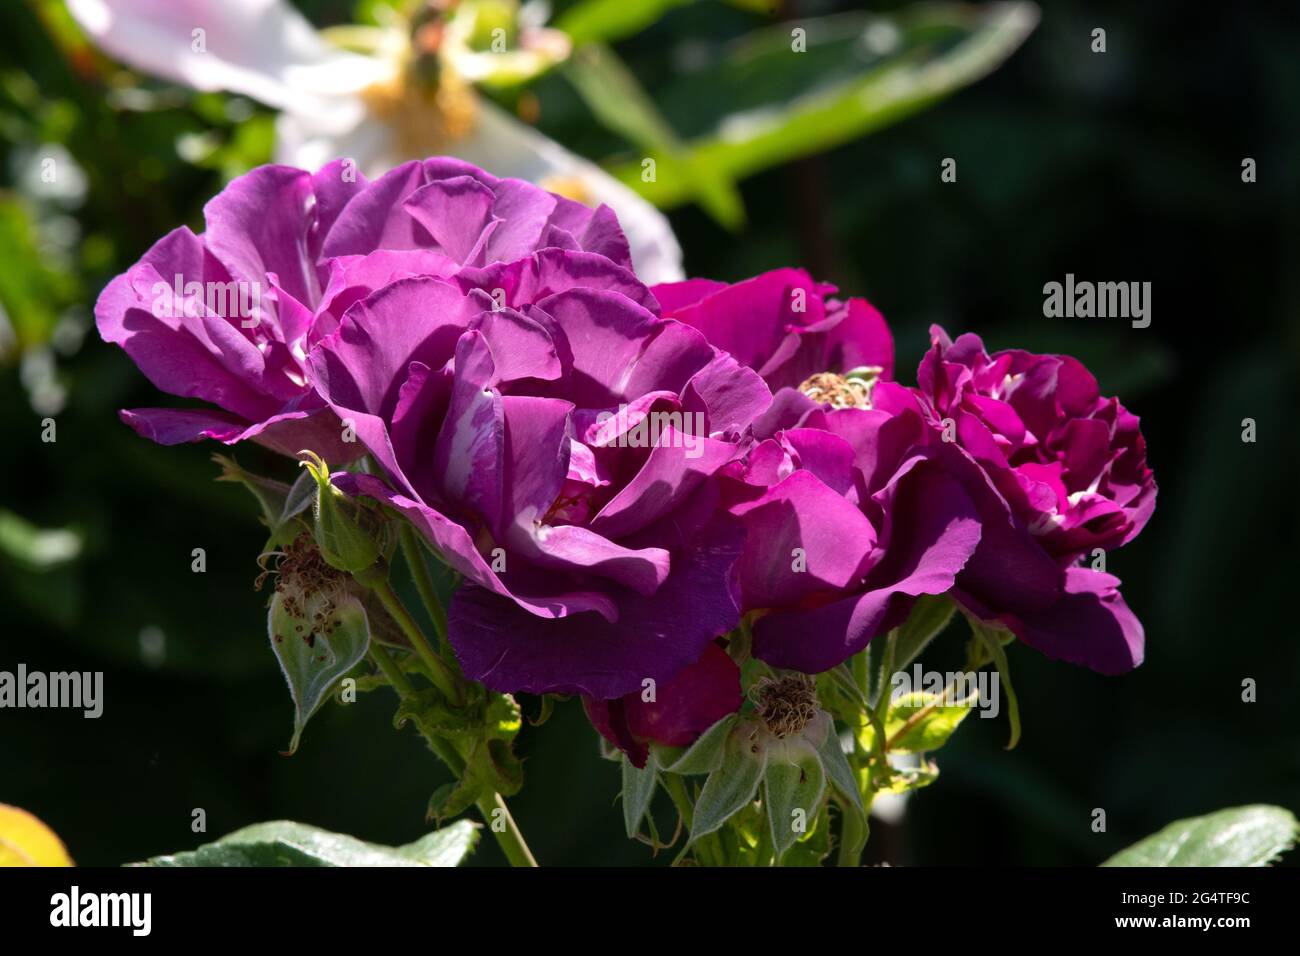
[(783, 325), (555, 440), (229, 316), (1065, 468), (1070, 462), (683, 708)]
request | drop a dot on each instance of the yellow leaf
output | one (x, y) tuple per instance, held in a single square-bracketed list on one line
[(26, 841)]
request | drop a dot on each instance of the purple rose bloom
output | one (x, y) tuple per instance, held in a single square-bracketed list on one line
[(1067, 471), (229, 316), (556, 441), (1070, 462), (693, 701), (850, 515), (783, 325)]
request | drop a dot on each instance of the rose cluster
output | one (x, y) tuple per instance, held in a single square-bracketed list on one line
[(623, 475)]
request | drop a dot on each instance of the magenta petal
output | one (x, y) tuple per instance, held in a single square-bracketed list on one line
[(508, 649), (259, 224), (1090, 625), (456, 212), (173, 426), (804, 539)]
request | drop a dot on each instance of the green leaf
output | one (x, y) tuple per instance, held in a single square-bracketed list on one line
[(919, 722), (638, 789), (859, 73), (285, 843), (793, 785), (317, 638), (705, 755), (592, 20), (734, 783), (1242, 836), (622, 106), (930, 615), (905, 779)]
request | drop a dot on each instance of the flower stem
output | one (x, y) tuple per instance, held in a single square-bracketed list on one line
[(423, 580), (379, 654), (439, 672), (509, 838)]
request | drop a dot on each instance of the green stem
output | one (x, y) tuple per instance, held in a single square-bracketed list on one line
[(423, 579), (401, 683), (509, 838), (439, 672), (681, 800)]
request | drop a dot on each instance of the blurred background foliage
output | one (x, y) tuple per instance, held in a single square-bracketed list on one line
[(1117, 166)]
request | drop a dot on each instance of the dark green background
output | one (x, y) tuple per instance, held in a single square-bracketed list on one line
[(1117, 167)]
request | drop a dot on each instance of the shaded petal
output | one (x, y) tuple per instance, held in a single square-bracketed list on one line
[(1090, 625), (508, 649)]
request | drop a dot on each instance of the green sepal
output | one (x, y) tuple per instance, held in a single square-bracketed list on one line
[(638, 790), (793, 784), (282, 505), (992, 638), (452, 799), (346, 531), (705, 755), (316, 645), (839, 774), (734, 783)]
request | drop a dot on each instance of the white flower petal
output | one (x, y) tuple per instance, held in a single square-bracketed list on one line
[(264, 49), (506, 147)]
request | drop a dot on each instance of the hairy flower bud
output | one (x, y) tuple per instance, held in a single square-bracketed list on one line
[(347, 540)]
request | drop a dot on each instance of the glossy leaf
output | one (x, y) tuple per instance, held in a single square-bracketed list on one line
[(1241, 836), (285, 843), (920, 722)]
